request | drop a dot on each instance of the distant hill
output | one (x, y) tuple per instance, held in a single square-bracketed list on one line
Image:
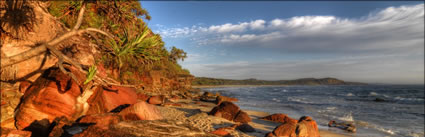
[(204, 81)]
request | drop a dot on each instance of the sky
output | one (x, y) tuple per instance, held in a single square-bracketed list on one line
[(361, 41)]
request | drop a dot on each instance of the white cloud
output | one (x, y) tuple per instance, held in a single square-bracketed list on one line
[(257, 24), (228, 27), (386, 45), (392, 27)]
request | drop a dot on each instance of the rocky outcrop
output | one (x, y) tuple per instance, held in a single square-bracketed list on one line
[(52, 95), (208, 97), (307, 127), (142, 97), (220, 132), (350, 127), (226, 110), (220, 99), (231, 112), (157, 100), (141, 111), (160, 82), (106, 99), (242, 117), (286, 129), (304, 127), (279, 117)]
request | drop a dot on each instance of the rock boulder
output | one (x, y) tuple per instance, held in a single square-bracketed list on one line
[(226, 110)]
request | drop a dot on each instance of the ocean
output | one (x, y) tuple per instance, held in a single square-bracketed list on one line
[(401, 113)]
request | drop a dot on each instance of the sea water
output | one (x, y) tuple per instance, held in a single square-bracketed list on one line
[(401, 113)]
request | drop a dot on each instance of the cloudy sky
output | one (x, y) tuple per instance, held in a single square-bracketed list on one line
[(364, 41)]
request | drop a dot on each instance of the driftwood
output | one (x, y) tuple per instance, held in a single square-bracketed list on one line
[(49, 46)]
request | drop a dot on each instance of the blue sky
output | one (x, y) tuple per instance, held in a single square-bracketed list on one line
[(376, 42)]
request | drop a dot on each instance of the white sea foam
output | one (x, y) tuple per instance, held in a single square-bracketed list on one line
[(349, 94), (299, 100), (373, 94), (416, 134), (408, 99), (388, 131), (348, 117), (277, 100)]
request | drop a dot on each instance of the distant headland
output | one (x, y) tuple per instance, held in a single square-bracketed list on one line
[(205, 81)]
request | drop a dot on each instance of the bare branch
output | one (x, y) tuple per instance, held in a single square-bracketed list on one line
[(101, 32), (80, 16), (40, 49)]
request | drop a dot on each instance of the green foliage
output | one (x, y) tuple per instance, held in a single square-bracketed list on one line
[(112, 16), (142, 49), (135, 49), (177, 54), (90, 75)]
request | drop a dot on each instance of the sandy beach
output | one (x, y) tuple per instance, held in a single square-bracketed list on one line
[(196, 113)]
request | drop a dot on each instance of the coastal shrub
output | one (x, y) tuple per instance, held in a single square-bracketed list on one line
[(135, 47)]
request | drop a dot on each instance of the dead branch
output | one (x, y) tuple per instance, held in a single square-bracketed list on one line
[(42, 48), (80, 16)]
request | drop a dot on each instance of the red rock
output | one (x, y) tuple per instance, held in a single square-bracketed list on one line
[(220, 132), (122, 95), (157, 100), (96, 131), (282, 118), (7, 132), (307, 127), (141, 111), (242, 117), (287, 129), (226, 110), (60, 122), (332, 123), (52, 95), (2, 103), (9, 123), (106, 99), (101, 120), (270, 134), (220, 99), (23, 86), (142, 96)]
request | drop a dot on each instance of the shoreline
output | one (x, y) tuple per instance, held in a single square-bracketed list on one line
[(223, 86), (262, 127), (262, 124)]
